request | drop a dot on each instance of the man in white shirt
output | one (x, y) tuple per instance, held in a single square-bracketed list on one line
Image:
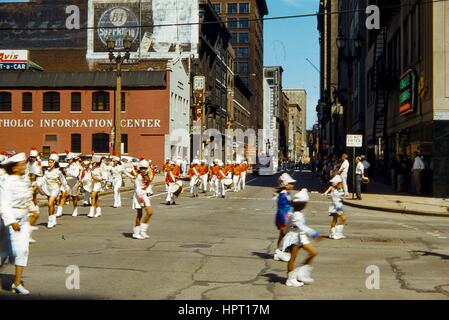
[(343, 172), (359, 175), (417, 169)]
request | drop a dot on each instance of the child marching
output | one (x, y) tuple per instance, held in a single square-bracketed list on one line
[(141, 201), (336, 191)]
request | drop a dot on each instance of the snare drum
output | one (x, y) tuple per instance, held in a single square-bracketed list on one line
[(228, 183)]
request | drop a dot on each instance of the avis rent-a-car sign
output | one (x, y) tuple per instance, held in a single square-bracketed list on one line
[(13, 60)]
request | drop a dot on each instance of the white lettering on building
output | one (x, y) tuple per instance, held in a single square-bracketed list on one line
[(76, 123)]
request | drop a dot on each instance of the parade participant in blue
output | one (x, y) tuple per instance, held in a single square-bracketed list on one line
[(286, 184), (336, 191), (141, 201), (299, 233), (16, 204)]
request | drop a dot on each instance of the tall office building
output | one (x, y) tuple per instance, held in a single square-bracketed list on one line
[(244, 21)]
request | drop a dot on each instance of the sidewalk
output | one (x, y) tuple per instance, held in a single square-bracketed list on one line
[(381, 197)]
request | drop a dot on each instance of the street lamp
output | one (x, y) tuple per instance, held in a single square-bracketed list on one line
[(118, 59)]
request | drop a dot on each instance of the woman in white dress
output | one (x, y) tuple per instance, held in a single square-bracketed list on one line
[(97, 176), (141, 201), (73, 173), (16, 205), (118, 170)]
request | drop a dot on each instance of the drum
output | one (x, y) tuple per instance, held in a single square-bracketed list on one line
[(228, 183), (198, 181), (176, 189), (179, 183)]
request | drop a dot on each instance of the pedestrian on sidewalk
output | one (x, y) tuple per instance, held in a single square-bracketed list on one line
[(300, 232), (417, 169), (336, 208), (343, 172), (359, 176), (401, 172), (284, 208)]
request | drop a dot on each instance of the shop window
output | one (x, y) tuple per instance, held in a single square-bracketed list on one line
[(76, 101), (5, 101), (125, 143), (100, 101), (52, 101), (100, 142), (27, 102), (76, 142)]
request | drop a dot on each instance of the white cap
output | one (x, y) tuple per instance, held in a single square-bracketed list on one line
[(70, 156), (144, 164), (54, 157), (220, 163), (302, 196), (285, 179), (16, 158), (34, 153), (115, 159), (336, 180), (96, 158), (216, 161)]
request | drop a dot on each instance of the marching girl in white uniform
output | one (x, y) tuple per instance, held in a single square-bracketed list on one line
[(86, 181), (298, 235), (336, 192), (97, 176), (51, 186), (117, 171), (141, 201), (15, 207), (73, 173)]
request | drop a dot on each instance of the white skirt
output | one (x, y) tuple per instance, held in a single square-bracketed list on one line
[(145, 202), (294, 237), (50, 190), (97, 187)]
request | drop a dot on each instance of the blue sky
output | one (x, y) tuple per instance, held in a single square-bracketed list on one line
[(289, 43)]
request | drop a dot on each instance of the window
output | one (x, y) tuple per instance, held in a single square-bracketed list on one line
[(100, 142), (27, 102), (232, 23), (123, 101), (217, 7), (243, 37), (233, 38), (5, 101), (244, 23), (232, 7), (125, 143), (243, 52), (244, 7), (76, 101), (51, 138), (76, 142), (243, 67), (52, 101), (100, 101)]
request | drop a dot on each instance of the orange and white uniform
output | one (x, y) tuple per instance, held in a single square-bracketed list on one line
[(243, 174), (203, 170), (194, 176), (237, 176)]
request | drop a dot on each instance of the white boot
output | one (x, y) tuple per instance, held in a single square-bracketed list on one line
[(136, 233), (339, 232), (75, 212), (20, 289), (97, 213), (51, 222), (292, 281), (304, 274), (143, 230), (332, 234), (59, 212), (30, 230), (91, 212), (281, 255)]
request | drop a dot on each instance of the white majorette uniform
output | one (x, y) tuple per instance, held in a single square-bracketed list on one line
[(117, 171), (141, 200), (142, 193), (98, 178), (86, 181), (336, 208)]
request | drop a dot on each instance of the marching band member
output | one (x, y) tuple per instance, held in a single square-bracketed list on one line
[(336, 208), (237, 175), (51, 186), (194, 178), (172, 175), (243, 175), (300, 233), (152, 174), (167, 167), (229, 169), (15, 206), (117, 172), (73, 173), (220, 181), (32, 160), (203, 170), (213, 177), (35, 176), (86, 181), (141, 200), (97, 176)]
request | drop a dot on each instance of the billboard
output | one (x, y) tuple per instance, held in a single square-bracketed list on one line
[(13, 60), (160, 29)]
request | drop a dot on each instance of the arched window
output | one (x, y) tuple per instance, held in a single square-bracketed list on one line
[(100, 101), (52, 101), (5, 101), (100, 142)]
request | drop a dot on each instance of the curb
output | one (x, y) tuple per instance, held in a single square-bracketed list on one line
[(405, 211)]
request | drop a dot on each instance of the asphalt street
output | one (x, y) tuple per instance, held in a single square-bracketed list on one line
[(209, 248)]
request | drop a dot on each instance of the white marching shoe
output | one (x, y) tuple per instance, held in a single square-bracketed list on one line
[(144, 230), (136, 233), (280, 255), (292, 280), (20, 289), (59, 211), (332, 233), (75, 212), (51, 222), (339, 232), (304, 274), (91, 212), (97, 212), (30, 229)]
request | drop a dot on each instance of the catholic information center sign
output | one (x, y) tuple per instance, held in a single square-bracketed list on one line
[(13, 60), (354, 141)]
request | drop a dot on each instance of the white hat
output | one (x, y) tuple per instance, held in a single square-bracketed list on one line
[(302, 196), (96, 158), (115, 159), (216, 161), (228, 162), (86, 162), (54, 157), (167, 159), (70, 156), (172, 163), (34, 153), (16, 158), (220, 163), (285, 179), (336, 180), (36, 170), (144, 164)]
